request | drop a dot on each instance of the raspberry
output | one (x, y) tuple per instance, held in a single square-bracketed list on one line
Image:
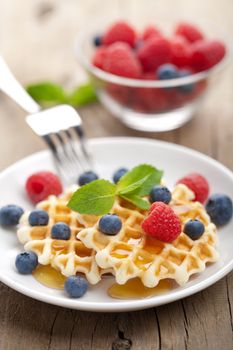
[(189, 32), (149, 32), (162, 223), (120, 60), (206, 53), (198, 184), (99, 57), (180, 52), (120, 31), (154, 52), (41, 184)]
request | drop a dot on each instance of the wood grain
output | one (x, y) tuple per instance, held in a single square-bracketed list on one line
[(37, 43)]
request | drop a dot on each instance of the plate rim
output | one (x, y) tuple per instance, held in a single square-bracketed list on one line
[(133, 304)]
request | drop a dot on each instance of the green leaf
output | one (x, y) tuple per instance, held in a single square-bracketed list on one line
[(95, 198), (139, 180), (82, 95), (137, 201), (47, 93)]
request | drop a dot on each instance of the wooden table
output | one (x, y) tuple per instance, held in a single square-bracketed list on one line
[(36, 38)]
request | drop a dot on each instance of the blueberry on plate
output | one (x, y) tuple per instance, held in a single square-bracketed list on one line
[(38, 218), (194, 229), (60, 230), (26, 262), (110, 224), (87, 177), (97, 40), (186, 88), (10, 215), (76, 286), (160, 194), (220, 209), (118, 174), (167, 71)]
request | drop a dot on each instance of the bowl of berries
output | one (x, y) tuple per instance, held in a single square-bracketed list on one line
[(150, 80)]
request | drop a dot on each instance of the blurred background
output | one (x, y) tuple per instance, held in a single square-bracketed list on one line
[(37, 41)]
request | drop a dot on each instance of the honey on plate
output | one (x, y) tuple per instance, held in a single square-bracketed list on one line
[(134, 289), (49, 277)]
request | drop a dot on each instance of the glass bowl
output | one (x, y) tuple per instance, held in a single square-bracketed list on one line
[(147, 105)]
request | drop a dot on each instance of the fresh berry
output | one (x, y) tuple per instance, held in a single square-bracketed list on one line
[(26, 262), (120, 31), (110, 224), (97, 40), (60, 230), (194, 229), (76, 286), (120, 93), (99, 57), (152, 99), (38, 218), (167, 71), (118, 174), (10, 215), (206, 53), (42, 184), (87, 177), (189, 32), (162, 223), (180, 49), (120, 60), (149, 32), (198, 184), (154, 52), (185, 88), (160, 194), (220, 209)]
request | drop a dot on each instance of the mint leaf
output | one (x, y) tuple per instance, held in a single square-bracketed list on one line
[(137, 201), (82, 95), (139, 180), (95, 198), (47, 93)]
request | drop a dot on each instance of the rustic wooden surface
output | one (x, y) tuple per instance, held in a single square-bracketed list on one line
[(36, 38)]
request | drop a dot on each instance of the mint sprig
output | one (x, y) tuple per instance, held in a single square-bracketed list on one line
[(49, 94), (97, 197)]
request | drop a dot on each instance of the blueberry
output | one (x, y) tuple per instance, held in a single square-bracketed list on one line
[(110, 224), (167, 71), (97, 40), (187, 88), (160, 194), (118, 174), (60, 230), (76, 286), (87, 177), (220, 208), (10, 215), (38, 218), (26, 262), (194, 229)]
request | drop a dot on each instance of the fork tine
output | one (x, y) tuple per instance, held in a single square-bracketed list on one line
[(58, 161), (87, 157)]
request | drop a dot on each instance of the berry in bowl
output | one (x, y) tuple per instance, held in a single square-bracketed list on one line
[(149, 80)]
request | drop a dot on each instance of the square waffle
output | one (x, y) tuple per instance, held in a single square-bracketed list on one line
[(131, 254), (69, 256)]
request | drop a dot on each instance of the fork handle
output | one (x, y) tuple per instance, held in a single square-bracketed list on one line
[(11, 87)]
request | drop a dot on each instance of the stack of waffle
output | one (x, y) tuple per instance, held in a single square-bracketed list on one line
[(128, 254)]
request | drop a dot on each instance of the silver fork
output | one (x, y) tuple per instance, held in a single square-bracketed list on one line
[(60, 127)]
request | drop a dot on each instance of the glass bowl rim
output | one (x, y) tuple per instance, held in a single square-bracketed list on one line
[(115, 79)]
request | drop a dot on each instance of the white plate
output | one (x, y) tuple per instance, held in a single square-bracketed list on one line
[(109, 154)]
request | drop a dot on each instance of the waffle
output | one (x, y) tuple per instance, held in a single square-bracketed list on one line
[(69, 256), (131, 254)]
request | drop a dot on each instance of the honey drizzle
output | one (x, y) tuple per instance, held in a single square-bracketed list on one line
[(134, 289), (49, 277)]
